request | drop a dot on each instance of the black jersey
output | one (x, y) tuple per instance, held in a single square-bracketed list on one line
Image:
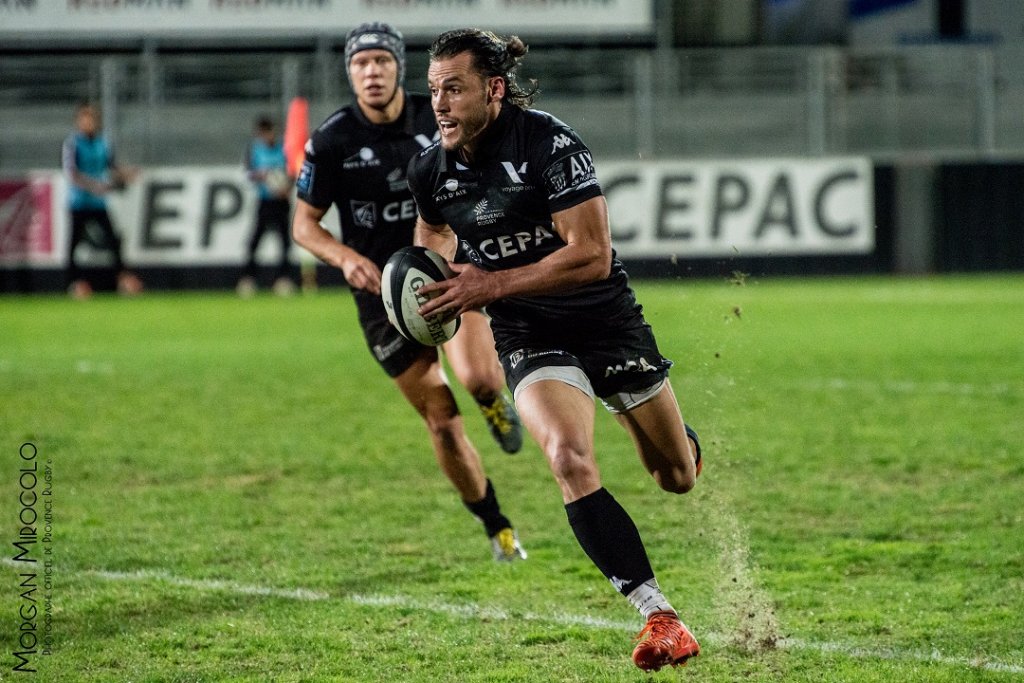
[(360, 168), (528, 166)]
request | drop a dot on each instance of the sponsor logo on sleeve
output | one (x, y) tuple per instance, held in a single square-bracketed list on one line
[(555, 175), (571, 173), (581, 166), (305, 180)]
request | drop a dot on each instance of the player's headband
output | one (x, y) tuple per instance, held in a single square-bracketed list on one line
[(377, 35)]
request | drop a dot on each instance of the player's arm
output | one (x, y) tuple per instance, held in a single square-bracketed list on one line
[(359, 271), (120, 174), (125, 175), (586, 257), (254, 175), (89, 184), (438, 238)]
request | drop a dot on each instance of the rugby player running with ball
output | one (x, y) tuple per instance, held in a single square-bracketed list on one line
[(515, 188)]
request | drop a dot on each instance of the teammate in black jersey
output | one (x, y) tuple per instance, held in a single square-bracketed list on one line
[(356, 161), (516, 189)]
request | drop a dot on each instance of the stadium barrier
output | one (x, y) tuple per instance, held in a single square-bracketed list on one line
[(187, 227)]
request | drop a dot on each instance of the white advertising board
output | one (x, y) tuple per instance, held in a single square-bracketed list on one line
[(427, 18), (747, 207), (199, 216)]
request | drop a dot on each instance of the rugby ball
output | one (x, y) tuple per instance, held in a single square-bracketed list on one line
[(277, 181), (406, 271)]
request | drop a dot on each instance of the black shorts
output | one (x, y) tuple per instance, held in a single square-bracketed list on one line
[(393, 352), (274, 213), (615, 361)]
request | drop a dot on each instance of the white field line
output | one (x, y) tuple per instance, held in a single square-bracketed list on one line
[(897, 655), (473, 611), (941, 388)]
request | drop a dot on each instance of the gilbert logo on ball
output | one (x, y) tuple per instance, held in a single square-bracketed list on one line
[(409, 269)]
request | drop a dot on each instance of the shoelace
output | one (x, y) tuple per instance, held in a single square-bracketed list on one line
[(495, 414), (656, 622), (507, 542)]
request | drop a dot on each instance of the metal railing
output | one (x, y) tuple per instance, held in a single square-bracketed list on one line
[(957, 101)]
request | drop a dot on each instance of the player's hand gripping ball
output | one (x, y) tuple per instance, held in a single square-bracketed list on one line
[(406, 271)]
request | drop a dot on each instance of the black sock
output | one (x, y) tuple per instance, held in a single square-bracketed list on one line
[(486, 401), (489, 512), (608, 535)]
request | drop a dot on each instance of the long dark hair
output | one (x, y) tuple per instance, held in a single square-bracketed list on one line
[(492, 56)]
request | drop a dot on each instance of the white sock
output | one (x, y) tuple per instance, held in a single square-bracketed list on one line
[(648, 599)]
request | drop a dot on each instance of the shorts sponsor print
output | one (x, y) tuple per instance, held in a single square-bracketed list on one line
[(627, 360), (393, 352)]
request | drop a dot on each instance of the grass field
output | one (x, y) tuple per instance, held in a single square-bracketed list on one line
[(238, 494)]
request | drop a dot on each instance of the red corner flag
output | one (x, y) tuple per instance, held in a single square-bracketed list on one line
[(296, 132)]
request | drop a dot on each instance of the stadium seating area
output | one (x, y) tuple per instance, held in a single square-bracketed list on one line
[(175, 107)]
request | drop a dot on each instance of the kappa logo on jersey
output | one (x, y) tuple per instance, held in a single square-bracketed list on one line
[(561, 140), (364, 214)]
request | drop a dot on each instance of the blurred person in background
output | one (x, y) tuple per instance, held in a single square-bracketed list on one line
[(92, 173), (356, 161), (516, 190), (267, 168)]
